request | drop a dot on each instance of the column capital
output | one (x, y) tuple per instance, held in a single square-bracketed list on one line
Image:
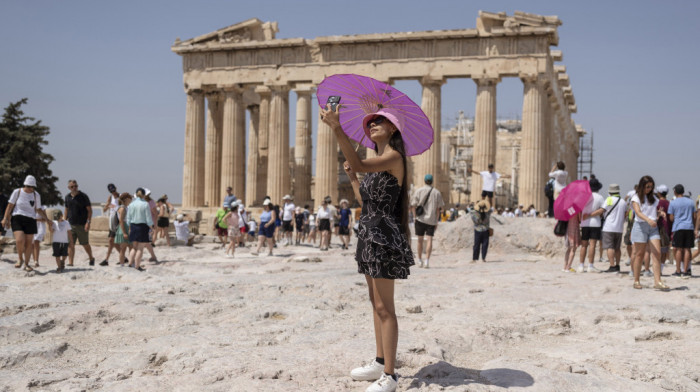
[(486, 79), (432, 80), (235, 88), (532, 78), (262, 90), (194, 91), (304, 89), (279, 87)]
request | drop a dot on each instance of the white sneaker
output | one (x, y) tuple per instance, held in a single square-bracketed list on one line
[(426, 264), (384, 384), (370, 372), (628, 262), (580, 268), (593, 269), (420, 263), (648, 273)]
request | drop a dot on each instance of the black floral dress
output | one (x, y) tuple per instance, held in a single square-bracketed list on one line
[(382, 249)]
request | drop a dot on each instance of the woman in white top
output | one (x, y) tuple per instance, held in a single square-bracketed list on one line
[(324, 224), (644, 231), (22, 208)]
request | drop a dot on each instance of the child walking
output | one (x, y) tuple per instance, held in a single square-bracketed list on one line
[(61, 237), (573, 241)]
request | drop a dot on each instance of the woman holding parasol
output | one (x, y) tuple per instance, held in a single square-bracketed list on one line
[(385, 120)]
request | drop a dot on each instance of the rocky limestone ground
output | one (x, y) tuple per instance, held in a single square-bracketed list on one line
[(300, 320)]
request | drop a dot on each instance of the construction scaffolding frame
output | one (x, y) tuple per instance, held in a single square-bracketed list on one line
[(585, 156)]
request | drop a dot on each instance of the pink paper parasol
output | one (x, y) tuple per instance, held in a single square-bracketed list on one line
[(571, 200), (361, 95)]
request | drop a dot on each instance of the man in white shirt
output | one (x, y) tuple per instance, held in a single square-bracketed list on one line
[(430, 201), (614, 212), (591, 226), (560, 177), (288, 216), (489, 178)]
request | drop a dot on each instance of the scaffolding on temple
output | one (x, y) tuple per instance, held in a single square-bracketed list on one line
[(585, 156)]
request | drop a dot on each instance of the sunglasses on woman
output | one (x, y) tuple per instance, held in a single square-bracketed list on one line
[(375, 121)]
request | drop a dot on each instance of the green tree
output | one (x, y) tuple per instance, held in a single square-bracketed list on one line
[(21, 153)]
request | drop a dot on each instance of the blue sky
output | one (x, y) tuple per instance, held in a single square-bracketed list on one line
[(101, 75)]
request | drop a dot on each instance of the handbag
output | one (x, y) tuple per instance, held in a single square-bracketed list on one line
[(560, 228), (490, 232), (420, 210)]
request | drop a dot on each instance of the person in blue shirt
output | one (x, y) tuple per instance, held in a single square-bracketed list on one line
[(682, 213), (344, 223), (139, 219)]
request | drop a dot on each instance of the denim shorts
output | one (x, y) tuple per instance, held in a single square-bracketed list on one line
[(642, 232)]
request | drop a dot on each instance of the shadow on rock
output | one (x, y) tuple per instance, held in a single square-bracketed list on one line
[(444, 374)]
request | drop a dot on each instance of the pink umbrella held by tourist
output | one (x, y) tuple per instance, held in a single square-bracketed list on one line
[(380, 117)]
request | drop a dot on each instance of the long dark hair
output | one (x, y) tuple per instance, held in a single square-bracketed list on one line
[(396, 142), (640, 189)]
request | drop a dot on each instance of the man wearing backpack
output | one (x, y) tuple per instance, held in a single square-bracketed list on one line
[(549, 193), (614, 213), (426, 204)]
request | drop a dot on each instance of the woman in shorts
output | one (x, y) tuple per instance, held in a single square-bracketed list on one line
[(22, 208), (324, 224), (267, 227), (645, 232), (139, 219), (163, 222)]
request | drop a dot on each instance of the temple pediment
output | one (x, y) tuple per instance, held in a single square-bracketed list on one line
[(494, 24), (250, 30)]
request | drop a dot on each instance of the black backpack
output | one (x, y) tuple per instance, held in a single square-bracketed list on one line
[(549, 189)]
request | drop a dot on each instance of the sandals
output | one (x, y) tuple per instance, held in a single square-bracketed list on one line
[(18, 264), (661, 287), (637, 285), (28, 269)]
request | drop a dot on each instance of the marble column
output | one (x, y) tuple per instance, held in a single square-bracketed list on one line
[(233, 144), (532, 172), (251, 191), (429, 162), (212, 162), (278, 176), (326, 182), (302, 147), (193, 172), (263, 142), (484, 132)]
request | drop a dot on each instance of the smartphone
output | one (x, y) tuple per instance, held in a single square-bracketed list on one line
[(333, 102)]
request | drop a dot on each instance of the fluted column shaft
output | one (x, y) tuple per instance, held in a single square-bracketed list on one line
[(326, 183), (302, 147), (251, 191), (278, 178), (212, 161), (429, 162), (193, 172), (233, 150), (484, 131), (532, 172), (263, 139)]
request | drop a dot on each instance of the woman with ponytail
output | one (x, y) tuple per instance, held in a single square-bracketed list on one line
[(383, 250)]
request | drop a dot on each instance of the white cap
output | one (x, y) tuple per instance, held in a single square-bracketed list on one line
[(267, 202), (147, 191), (180, 217), (30, 181), (662, 188), (287, 197)]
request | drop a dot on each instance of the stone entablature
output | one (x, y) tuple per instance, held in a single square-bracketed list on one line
[(244, 66)]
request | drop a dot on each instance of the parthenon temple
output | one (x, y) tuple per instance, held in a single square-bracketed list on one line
[(244, 67)]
